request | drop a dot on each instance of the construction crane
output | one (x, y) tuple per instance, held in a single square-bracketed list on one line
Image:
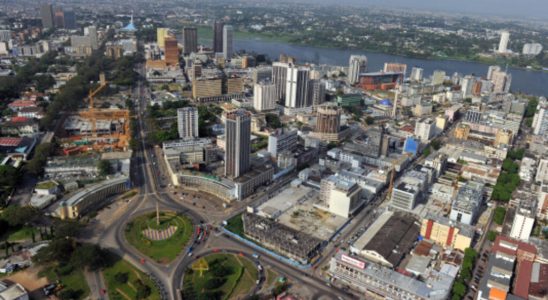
[(92, 93)]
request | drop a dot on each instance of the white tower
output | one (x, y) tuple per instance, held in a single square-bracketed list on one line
[(504, 39)]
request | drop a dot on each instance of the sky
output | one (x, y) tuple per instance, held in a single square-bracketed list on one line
[(515, 8)]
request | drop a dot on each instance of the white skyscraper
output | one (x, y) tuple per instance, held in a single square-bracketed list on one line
[(466, 86), (187, 122), (540, 121), (357, 65), (297, 86), (491, 70), (264, 96), (416, 74), (5, 35), (91, 33), (501, 81), (228, 33), (504, 39)]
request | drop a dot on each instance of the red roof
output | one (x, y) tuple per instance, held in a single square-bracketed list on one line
[(525, 247), (10, 141), (523, 278), (19, 119), (22, 103)]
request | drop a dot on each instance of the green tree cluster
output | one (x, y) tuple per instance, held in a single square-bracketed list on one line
[(500, 213), (460, 285), (273, 121), (8, 179), (36, 165), (508, 179)]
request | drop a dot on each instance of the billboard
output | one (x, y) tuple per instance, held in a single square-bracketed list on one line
[(353, 261)]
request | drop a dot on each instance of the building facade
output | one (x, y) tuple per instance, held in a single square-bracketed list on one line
[(238, 142)]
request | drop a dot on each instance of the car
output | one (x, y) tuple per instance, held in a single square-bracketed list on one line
[(49, 289), (190, 254)]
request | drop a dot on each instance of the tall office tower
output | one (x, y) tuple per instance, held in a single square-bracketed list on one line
[(395, 67), (504, 39), (70, 19), (228, 32), (171, 51), (279, 78), (59, 18), (296, 91), (317, 91), (161, 34), (467, 86), (356, 65), (416, 74), (46, 12), (540, 121), (5, 35), (425, 129), (238, 142), (490, 71), (328, 119), (438, 77), (501, 81), (264, 96), (187, 122), (91, 33), (218, 36), (284, 58), (190, 40), (196, 71)]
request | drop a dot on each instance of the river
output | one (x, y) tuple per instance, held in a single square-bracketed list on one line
[(527, 81)]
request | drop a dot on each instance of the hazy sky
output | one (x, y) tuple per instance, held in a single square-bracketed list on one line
[(521, 8)]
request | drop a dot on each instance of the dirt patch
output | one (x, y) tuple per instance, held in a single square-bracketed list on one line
[(29, 279)]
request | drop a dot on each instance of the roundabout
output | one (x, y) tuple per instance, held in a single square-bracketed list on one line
[(161, 239), (220, 276)]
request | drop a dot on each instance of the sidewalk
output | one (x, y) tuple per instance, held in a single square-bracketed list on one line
[(96, 283)]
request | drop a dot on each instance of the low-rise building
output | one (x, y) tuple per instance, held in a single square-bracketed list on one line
[(465, 207), (447, 233)]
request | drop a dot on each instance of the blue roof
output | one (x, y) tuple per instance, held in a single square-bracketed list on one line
[(386, 102), (130, 27), (411, 145)]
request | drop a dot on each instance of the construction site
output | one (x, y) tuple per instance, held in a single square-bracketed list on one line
[(95, 129)]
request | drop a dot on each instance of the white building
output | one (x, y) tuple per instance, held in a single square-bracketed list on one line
[(504, 39), (532, 49), (264, 96), (540, 121), (542, 172), (228, 33), (523, 224), (297, 86), (340, 197), (467, 84), (281, 141), (187, 122), (466, 206), (501, 81), (357, 65), (425, 129), (416, 74), (438, 77)]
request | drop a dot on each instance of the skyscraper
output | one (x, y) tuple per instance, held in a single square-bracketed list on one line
[(59, 18), (238, 142), (187, 122), (357, 65), (190, 40), (228, 32), (540, 120), (317, 91), (46, 12), (504, 39), (161, 34), (70, 19), (264, 96), (467, 84), (218, 37), (416, 74), (171, 51), (501, 81), (297, 87), (91, 33), (279, 78), (328, 119)]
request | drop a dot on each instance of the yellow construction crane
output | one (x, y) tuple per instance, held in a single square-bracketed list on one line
[(92, 93)]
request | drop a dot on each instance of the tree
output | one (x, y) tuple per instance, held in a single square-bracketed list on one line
[(273, 121), (65, 229), (121, 278), (215, 283), (491, 235), (36, 165), (18, 215), (459, 290), (90, 256), (369, 120), (57, 250), (104, 167), (500, 213), (143, 291), (69, 294), (510, 166)]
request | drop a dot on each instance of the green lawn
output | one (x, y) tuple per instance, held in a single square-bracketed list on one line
[(127, 289), (73, 280), (161, 251), (239, 278), (25, 233), (236, 225)]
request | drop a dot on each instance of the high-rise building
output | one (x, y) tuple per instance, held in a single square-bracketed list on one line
[(264, 96), (70, 19), (467, 85), (196, 71), (425, 129), (46, 13), (416, 74), (282, 140), (161, 34), (328, 119), (339, 196), (218, 36), (501, 81), (438, 77), (540, 120), (238, 142), (357, 65), (297, 86), (91, 33), (279, 78), (228, 33), (262, 73), (396, 68), (504, 39), (59, 18), (490, 71), (317, 91), (190, 40), (286, 59), (187, 122), (5, 35), (171, 51), (207, 87)]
